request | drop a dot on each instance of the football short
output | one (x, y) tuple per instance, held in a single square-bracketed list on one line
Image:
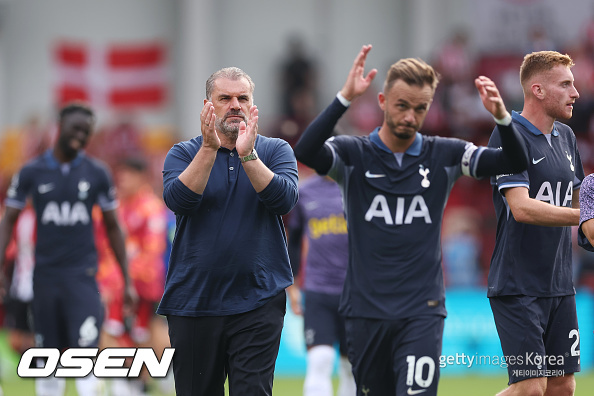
[(322, 324), (539, 336), (67, 312), (395, 357), (243, 347), (17, 314)]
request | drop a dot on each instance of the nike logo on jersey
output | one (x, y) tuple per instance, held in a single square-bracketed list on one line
[(45, 188), (373, 175), (536, 161), (415, 392)]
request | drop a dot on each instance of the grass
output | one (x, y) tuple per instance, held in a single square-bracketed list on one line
[(448, 386)]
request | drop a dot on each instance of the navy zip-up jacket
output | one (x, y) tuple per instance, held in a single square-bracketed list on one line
[(229, 254)]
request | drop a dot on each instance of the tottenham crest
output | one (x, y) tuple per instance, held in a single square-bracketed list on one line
[(425, 183), (83, 189)]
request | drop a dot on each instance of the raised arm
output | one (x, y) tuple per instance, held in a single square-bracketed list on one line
[(196, 175), (259, 174), (513, 156), (357, 82), (491, 98), (310, 148)]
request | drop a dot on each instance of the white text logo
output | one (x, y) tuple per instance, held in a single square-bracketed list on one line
[(65, 214), (80, 362), (417, 209), (546, 194)]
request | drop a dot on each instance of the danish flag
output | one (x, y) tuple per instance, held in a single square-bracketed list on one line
[(116, 75)]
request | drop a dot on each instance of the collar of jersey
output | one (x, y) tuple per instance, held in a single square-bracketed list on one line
[(528, 125), (414, 149), (55, 164)]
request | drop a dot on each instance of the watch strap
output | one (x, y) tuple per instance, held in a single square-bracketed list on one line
[(252, 156)]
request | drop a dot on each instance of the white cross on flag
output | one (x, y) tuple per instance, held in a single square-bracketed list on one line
[(114, 76)]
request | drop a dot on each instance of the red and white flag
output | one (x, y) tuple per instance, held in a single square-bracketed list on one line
[(114, 76)]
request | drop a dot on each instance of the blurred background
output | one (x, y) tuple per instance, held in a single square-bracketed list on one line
[(142, 64)]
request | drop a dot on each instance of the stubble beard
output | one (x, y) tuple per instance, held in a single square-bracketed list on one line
[(401, 135), (557, 112), (229, 129)]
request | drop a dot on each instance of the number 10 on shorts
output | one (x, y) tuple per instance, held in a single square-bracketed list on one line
[(416, 369)]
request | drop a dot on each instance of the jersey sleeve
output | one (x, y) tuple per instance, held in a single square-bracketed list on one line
[(20, 188), (176, 195), (339, 147), (106, 198), (503, 181), (463, 154), (282, 193), (310, 149)]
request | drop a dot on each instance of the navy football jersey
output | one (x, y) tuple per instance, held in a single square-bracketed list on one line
[(63, 196), (529, 259), (394, 213), (319, 215)]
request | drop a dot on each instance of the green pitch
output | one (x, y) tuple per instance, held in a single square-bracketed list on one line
[(448, 386)]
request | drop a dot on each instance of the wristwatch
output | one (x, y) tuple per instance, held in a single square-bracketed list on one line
[(252, 156)]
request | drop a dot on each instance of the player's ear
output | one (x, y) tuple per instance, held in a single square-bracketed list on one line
[(381, 100), (538, 90)]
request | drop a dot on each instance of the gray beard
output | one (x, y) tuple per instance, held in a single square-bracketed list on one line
[(230, 131)]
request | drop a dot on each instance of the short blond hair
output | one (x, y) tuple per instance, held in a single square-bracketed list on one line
[(413, 71), (540, 62)]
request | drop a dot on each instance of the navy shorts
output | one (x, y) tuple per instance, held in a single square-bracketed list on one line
[(395, 357), (322, 323), (241, 347), (17, 314), (539, 336), (67, 312)]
